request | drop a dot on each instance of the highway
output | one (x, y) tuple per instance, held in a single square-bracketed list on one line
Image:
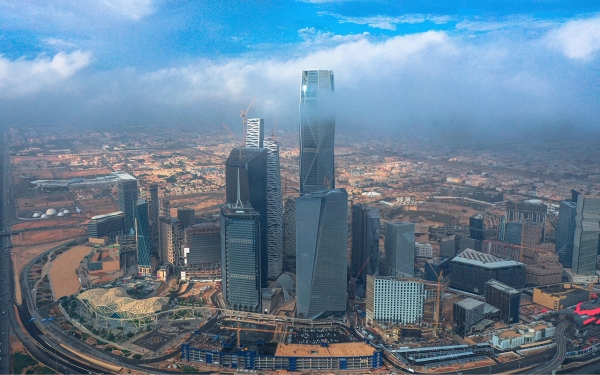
[(6, 294)]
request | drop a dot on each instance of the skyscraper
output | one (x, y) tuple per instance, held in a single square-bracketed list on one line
[(476, 227), (142, 238), (587, 230), (290, 227), (248, 168), (240, 257), (186, 216), (170, 240), (274, 211), (255, 132), (317, 129), (565, 232), (128, 197), (321, 248), (154, 214), (365, 242), (400, 248)]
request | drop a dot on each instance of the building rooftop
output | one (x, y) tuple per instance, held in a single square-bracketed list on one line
[(98, 217), (469, 303), (503, 287), (333, 350), (476, 258)]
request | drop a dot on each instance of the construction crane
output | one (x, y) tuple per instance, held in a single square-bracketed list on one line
[(438, 299), (273, 131), (243, 115), (353, 279), (242, 145), (239, 328)]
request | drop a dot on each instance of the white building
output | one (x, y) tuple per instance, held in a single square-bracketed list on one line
[(521, 335), (395, 300), (423, 250)]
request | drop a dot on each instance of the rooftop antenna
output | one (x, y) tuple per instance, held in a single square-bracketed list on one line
[(238, 203)]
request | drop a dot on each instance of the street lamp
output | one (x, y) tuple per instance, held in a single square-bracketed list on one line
[(518, 360)]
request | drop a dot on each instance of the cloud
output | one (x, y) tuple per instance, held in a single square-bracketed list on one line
[(23, 77), (58, 43), (387, 22), (133, 9), (577, 39)]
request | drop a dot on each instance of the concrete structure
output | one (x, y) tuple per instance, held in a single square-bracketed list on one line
[(542, 266), (530, 210), (400, 249), (586, 238), (565, 232), (246, 172), (322, 248), (471, 270), (423, 250), (317, 129), (502, 250), (574, 278), (365, 242), (274, 211), (467, 313), (107, 225), (505, 298), (558, 297), (128, 197), (240, 257), (514, 337), (186, 216), (394, 300), (170, 241)]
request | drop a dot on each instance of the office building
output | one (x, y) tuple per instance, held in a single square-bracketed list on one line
[(423, 250), (203, 245), (170, 240), (107, 225), (255, 132), (527, 234), (448, 246), (289, 226), (186, 216), (505, 298), (560, 296), (365, 242), (565, 232), (467, 313), (532, 210), (317, 129), (143, 237), (400, 249), (476, 227), (511, 338), (274, 211), (128, 197), (472, 269), (246, 171), (240, 257), (395, 300), (154, 214), (587, 232), (321, 253)]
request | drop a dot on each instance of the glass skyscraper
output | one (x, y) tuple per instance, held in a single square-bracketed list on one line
[(142, 235), (587, 230), (241, 258), (317, 129), (365, 241), (128, 197), (400, 248), (154, 212), (321, 248), (565, 232), (274, 211)]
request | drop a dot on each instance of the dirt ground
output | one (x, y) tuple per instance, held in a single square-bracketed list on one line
[(43, 202), (46, 236), (81, 173), (45, 223), (63, 279), (100, 206), (23, 255)]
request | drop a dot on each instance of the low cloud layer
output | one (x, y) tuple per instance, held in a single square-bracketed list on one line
[(454, 82)]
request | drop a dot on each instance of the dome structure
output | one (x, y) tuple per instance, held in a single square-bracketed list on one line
[(60, 214), (44, 216), (51, 212), (37, 214), (66, 212)]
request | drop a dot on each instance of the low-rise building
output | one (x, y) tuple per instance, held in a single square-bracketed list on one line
[(557, 297), (579, 279), (521, 335)]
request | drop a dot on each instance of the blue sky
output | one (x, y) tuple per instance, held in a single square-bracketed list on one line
[(466, 65)]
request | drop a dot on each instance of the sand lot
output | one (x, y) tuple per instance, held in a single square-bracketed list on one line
[(46, 236), (82, 173), (43, 202), (63, 278), (46, 223)]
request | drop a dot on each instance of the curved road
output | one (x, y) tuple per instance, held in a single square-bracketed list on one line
[(561, 350)]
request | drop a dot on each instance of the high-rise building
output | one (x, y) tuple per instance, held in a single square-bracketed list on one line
[(240, 257), (246, 172), (467, 313), (186, 216), (527, 234), (565, 232), (365, 242), (530, 210), (128, 197), (394, 300), (143, 238), (107, 225), (321, 252), (154, 214), (400, 249), (476, 227), (317, 129), (170, 240), (587, 230), (203, 244), (255, 132), (289, 227), (274, 211), (505, 298)]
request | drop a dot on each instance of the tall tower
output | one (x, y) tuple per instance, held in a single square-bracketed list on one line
[(290, 227), (565, 232), (246, 171), (317, 130), (274, 211), (255, 132), (142, 238), (476, 227), (128, 197), (365, 241), (321, 248), (241, 257), (400, 248), (587, 230), (154, 214), (170, 240)]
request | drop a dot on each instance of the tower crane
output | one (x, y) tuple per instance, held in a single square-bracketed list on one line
[(243, 115), (438, 299), (353, 279)]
